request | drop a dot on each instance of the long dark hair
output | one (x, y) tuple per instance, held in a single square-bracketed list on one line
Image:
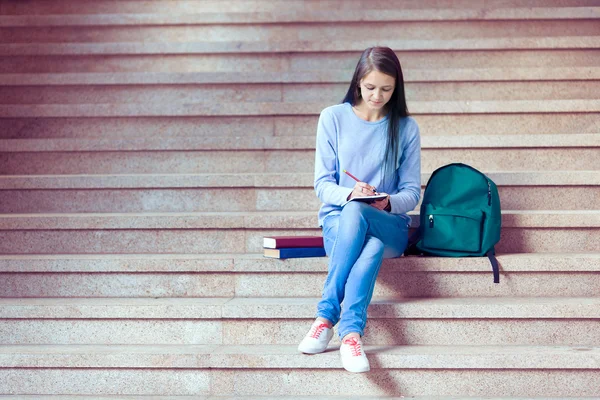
[(384, 60)]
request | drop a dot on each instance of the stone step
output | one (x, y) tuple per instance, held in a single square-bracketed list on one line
[(248, 263), (239, 321), (117, 397), (496, 76), (586, 39), (282, 397), (283, 357), (413, 62), (558, 190), (280, 370), (242, 6), (287, 108), (285, 143), (296, 15), (292, 92), (256, 161), (85, 397), (413, 76), (297, 308), (242, 232), (379, 331), (492, 76), (266, 220), (267, 180), (474, 125), (222, 275), (307, 32)]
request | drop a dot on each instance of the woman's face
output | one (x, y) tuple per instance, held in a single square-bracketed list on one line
[(376, 89)]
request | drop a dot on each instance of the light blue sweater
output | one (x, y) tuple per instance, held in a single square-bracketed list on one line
[(345, 141)]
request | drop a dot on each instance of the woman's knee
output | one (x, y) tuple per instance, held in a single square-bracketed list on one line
[(370, 257), (374, 247)]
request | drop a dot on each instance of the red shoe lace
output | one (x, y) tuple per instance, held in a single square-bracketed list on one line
[(316, 330), (354, 346)]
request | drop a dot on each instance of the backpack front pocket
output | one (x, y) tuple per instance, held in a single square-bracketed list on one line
[(452, 230)]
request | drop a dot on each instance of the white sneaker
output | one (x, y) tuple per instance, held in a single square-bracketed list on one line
[(317, 338), (353, 356)]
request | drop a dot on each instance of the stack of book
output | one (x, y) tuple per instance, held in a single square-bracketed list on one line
[(293, 246)]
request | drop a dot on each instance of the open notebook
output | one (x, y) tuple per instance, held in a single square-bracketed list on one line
[(367, 199)]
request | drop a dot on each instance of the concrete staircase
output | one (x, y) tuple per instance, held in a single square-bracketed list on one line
[(146, 147)]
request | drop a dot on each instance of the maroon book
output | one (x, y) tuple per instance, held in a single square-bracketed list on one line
[(280, 242)]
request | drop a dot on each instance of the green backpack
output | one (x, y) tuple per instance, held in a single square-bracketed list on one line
[(460, 215)]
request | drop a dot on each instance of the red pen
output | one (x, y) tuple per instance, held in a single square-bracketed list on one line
[(351, 176), (356, 179)]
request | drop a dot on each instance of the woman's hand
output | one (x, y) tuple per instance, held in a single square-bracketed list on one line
[(381, 204), (361, 189)]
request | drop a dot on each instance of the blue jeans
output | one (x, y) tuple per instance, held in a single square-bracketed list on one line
[(356, 241)]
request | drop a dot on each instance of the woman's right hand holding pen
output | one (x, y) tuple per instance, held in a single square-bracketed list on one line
[(362, 189)]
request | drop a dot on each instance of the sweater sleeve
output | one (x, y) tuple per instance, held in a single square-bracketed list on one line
[(409, 173), (326, 163)]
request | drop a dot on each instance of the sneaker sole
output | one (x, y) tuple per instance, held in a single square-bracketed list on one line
[(360, 370), (308, 350)]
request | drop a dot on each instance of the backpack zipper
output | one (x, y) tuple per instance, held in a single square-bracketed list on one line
[(489, 193), (430, 221)]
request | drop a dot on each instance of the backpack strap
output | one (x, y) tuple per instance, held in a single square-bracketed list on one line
[(490, 255)]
